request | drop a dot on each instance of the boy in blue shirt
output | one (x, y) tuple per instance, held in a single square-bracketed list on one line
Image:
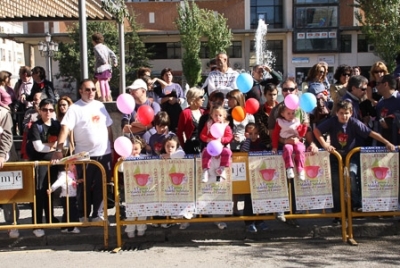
[(344, 131)]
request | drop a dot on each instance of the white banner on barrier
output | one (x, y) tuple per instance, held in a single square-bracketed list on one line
[(213, 197), (177, 187), (315, 192), (159, 187), (141, 180), (379, 181), (269, 192)]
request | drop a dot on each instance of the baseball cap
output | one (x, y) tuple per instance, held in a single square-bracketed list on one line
[(138, 83)]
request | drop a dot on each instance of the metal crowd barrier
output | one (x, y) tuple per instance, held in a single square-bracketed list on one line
[(20, 175), (239, 187), (358, 214)]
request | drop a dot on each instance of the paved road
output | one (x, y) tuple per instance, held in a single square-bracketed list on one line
[(213, 253)]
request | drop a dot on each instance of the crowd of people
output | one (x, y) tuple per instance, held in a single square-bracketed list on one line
[(366, 110)]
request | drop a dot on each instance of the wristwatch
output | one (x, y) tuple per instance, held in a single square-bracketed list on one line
[(59, 150)]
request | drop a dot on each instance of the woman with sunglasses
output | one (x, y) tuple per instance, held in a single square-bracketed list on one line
[(338, 90), (62, 107), (378, 69), (316, 81), (42, 141)]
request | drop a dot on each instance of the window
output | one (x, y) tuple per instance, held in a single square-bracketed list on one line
[(345, 43), (316, 17), (269, 10), (316, 26), (10, 56), (3, 54), (362, 44), (204, 52), (276, 47), (164, 50), (316, 1), (235, 50)]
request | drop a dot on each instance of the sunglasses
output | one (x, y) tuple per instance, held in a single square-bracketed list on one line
[(345, 74), (93, 89), (363, 88), (378, 71), (378, 83), (45, 110), (286, 89), (321, 72)]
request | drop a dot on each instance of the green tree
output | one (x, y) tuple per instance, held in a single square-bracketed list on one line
[(189, 24), (194, 23), (217, 32), (380, 22)]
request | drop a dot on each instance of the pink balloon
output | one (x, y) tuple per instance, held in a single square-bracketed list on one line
[(217, 130), (123, 146), (292, 101), (214, 148), (125, 103)]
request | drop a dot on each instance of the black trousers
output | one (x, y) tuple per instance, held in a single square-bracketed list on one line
[(94, 187), (73, 210)]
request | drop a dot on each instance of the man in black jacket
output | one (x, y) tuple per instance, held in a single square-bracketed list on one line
[(260, 81)]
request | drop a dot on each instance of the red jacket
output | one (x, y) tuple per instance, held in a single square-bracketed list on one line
[(225, 139), (185, 125)]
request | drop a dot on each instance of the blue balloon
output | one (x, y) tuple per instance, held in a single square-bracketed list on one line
[(308, 102), (244, 82)]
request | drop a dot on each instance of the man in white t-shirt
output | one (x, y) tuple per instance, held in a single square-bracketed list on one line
[(223, 78), (91, 124)]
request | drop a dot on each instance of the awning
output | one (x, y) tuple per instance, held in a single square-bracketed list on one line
[(49, 10)]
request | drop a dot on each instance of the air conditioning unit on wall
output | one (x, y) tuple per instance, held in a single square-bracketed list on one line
[(237, 65), (371, 48)]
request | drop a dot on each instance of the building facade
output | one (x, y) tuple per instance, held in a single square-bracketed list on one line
[(300, 33)]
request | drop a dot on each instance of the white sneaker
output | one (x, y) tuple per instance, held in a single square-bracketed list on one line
[(302, 175), (221, 225), (205, 176), (166, 225), (290, 173), (73, 231), (280, 216), (83, 219), (131, 234), (38, 232), (184, 225), (141, 233), (97, 219), (13, 233)]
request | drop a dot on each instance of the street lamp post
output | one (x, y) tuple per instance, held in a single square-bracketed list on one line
[(48, 49)]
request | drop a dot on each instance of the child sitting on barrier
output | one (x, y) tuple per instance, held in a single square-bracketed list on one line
[(287, 126), (67, 181), (345, 133), (218, 115), (138, 144)]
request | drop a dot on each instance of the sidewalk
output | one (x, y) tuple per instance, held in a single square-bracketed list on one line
[(309, 229)]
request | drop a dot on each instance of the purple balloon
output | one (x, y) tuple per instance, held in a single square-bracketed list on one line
[(292, 101), (123, 146), (125, 103), (214, 148), (217, 130)]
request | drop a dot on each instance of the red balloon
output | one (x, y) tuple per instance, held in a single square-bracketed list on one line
[(145, 115), (252, 106)]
